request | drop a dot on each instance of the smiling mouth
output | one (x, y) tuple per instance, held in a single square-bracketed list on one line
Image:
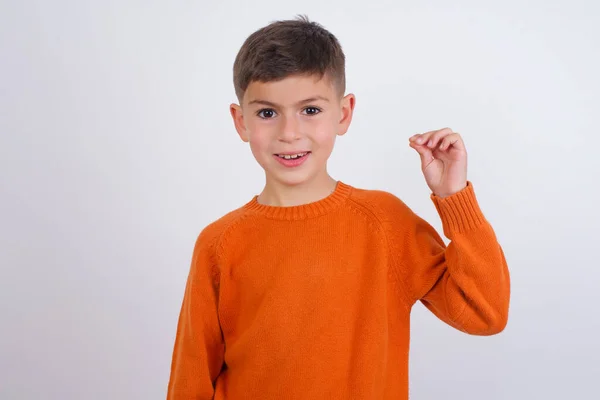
[(292, 156)]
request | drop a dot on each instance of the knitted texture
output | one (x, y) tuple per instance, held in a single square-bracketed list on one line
[(314, 301)]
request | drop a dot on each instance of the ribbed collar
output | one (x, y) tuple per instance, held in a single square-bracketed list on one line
[(303, 211)]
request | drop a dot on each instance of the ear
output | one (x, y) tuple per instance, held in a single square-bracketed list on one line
[(347, 107), (238, 121)]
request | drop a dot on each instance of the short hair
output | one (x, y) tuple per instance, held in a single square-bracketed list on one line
[(286, 48)]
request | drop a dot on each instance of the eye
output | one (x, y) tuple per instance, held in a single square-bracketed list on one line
[(266, 113), (312, 110)]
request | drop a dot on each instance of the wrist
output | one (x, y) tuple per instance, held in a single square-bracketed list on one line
[(451, 192), (459, 212)]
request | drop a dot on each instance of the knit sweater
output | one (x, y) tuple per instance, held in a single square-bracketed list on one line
[(313, 301)]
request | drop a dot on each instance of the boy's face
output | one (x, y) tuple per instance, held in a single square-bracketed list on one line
[(292, 125)]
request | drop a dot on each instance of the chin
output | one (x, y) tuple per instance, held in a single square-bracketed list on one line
[(292, 179)]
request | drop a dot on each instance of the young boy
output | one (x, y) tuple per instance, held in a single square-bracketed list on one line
[(305, 292)]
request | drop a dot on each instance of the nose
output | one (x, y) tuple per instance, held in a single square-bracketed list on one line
[(289, 130)]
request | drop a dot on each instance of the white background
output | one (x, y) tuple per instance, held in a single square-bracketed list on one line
[(117, 148)]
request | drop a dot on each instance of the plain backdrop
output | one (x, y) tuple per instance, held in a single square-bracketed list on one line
[(117, 148)]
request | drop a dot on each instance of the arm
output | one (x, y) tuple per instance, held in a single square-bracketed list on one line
[(465, 284), (199, 346)]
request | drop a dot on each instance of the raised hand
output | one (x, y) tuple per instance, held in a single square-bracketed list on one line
[(443, 160)]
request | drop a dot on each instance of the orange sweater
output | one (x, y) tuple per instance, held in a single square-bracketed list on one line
[(314, 301)]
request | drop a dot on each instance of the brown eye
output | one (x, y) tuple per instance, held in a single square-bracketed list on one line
[(312, 110), (266, 113)]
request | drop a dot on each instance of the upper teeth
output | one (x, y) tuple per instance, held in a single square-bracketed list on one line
[(291, 156)]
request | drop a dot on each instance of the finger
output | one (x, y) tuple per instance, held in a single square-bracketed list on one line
[(452, 140), (424, 152), (425, 137), (414, 137), (419, 138), (437, 136), (422, 138)]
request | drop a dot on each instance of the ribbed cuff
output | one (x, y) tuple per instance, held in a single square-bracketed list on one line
[(459, 212)]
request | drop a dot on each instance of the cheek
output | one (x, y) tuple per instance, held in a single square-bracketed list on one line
[(324, 134), (260, 138)]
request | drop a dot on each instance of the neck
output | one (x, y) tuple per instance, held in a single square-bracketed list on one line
[(279, 194)]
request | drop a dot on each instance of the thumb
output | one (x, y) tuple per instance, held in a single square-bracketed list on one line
[(424, 152)]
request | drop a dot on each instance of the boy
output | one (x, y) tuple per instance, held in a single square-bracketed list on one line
[(305, 292)]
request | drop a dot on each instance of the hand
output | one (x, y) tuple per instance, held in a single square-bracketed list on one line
[(443, 160)]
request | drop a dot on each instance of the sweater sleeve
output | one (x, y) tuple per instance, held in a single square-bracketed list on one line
[(466, 284), (199, 346)]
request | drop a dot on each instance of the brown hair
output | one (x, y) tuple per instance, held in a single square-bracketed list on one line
[(289, 47)]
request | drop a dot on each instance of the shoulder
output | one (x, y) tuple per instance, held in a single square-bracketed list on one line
[(403, 228), (211, 235), (390, 213), (381, 204)]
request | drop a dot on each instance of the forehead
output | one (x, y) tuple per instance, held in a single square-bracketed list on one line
[(291, 89)]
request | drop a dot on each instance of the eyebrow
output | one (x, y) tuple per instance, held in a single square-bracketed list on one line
[(271, 104)]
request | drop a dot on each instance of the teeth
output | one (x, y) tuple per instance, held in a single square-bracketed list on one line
[(291, 156)]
